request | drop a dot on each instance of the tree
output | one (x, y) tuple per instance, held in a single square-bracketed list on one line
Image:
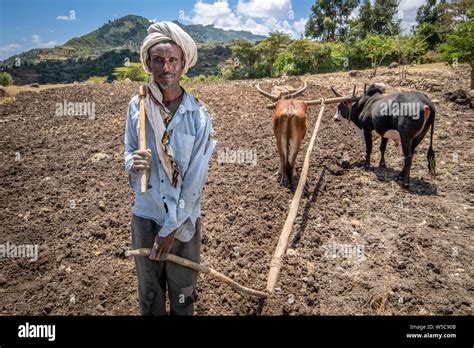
[(362, 26), (456, 11), (303, 51), (430, 13), (244, 52), (376, 47), (377, 18), (383, 21), (407, 49), (459, 45), (430, 32), (5, 78), (329, 19), (134, 71), (269, 48), (429, 18), (284, 64)]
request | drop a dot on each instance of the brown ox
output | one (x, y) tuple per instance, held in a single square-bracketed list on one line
[(289, 127)]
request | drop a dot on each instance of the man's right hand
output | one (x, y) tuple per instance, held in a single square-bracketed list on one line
[(141, 160)]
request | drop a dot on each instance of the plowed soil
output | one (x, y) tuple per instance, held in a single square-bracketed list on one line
[(63, 187)]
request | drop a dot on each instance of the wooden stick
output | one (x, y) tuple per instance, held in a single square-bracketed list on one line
[(142, 137), (203, 269), (319, 101), (280, 250)]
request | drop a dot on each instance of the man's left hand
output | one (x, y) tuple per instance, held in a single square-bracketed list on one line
[(162, 247)]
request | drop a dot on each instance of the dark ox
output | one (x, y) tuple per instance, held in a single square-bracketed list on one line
[(403, 117)]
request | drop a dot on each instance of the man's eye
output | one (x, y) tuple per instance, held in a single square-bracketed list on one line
[(173, 60)]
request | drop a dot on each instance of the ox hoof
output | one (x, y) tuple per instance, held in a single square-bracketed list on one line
[(382, 165)]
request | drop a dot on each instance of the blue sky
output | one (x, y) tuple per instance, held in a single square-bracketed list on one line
[(26, 24)]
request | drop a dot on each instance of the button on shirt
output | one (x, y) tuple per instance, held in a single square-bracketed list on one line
[(173, 208)]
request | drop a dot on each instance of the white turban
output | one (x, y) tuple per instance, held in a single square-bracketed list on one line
[(169, 31)]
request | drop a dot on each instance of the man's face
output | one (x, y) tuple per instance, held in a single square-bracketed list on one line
[(167, 64)]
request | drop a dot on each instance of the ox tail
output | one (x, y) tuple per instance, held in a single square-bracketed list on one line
[(289, 169), (431, 153)]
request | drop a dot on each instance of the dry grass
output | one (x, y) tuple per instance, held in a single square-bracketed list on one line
[(13, 90)]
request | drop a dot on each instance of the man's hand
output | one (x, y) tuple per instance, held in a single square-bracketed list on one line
[(141, 160), (162, 247)]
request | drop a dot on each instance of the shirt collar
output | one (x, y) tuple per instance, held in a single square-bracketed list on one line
[(189, 103)]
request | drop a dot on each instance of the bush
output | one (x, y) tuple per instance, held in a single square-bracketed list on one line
[(97, 79), (459, 44), (323, 61), (409, 49), (208, 78), (185, 78), (284, 65), (133, 71), (5, 79), (376, 47), (259, 71)]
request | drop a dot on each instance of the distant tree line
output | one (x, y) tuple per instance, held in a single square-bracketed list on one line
[(335, 41)]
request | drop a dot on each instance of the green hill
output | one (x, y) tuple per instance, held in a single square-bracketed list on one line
[(73, 59)]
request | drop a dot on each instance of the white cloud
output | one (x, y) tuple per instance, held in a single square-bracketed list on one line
[(264, 9), (300, 25), (62, 18), (217, 13), (38, 42), (11, 48), (257, 17), (410, 5), (407, 12), (35, 39), (254, 27)]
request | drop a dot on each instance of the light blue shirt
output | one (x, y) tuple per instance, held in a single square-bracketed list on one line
[(192, 146)]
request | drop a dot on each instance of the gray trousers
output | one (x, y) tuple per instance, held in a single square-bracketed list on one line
[(154, 277)]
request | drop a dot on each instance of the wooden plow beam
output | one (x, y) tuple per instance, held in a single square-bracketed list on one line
[(203, 269), (276, 263)]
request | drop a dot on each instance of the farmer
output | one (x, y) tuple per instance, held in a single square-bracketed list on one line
[(166, 217)]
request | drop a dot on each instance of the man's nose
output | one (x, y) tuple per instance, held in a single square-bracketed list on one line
[(167, 66)]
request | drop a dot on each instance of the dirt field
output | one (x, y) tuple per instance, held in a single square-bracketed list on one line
[(64, 188)]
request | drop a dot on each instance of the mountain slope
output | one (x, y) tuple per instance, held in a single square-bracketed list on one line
[(124, 33)]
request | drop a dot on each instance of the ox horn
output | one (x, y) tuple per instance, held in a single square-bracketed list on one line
[(266, 94), (336, 92), (298, 92), (365, 87), (354, 90)]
